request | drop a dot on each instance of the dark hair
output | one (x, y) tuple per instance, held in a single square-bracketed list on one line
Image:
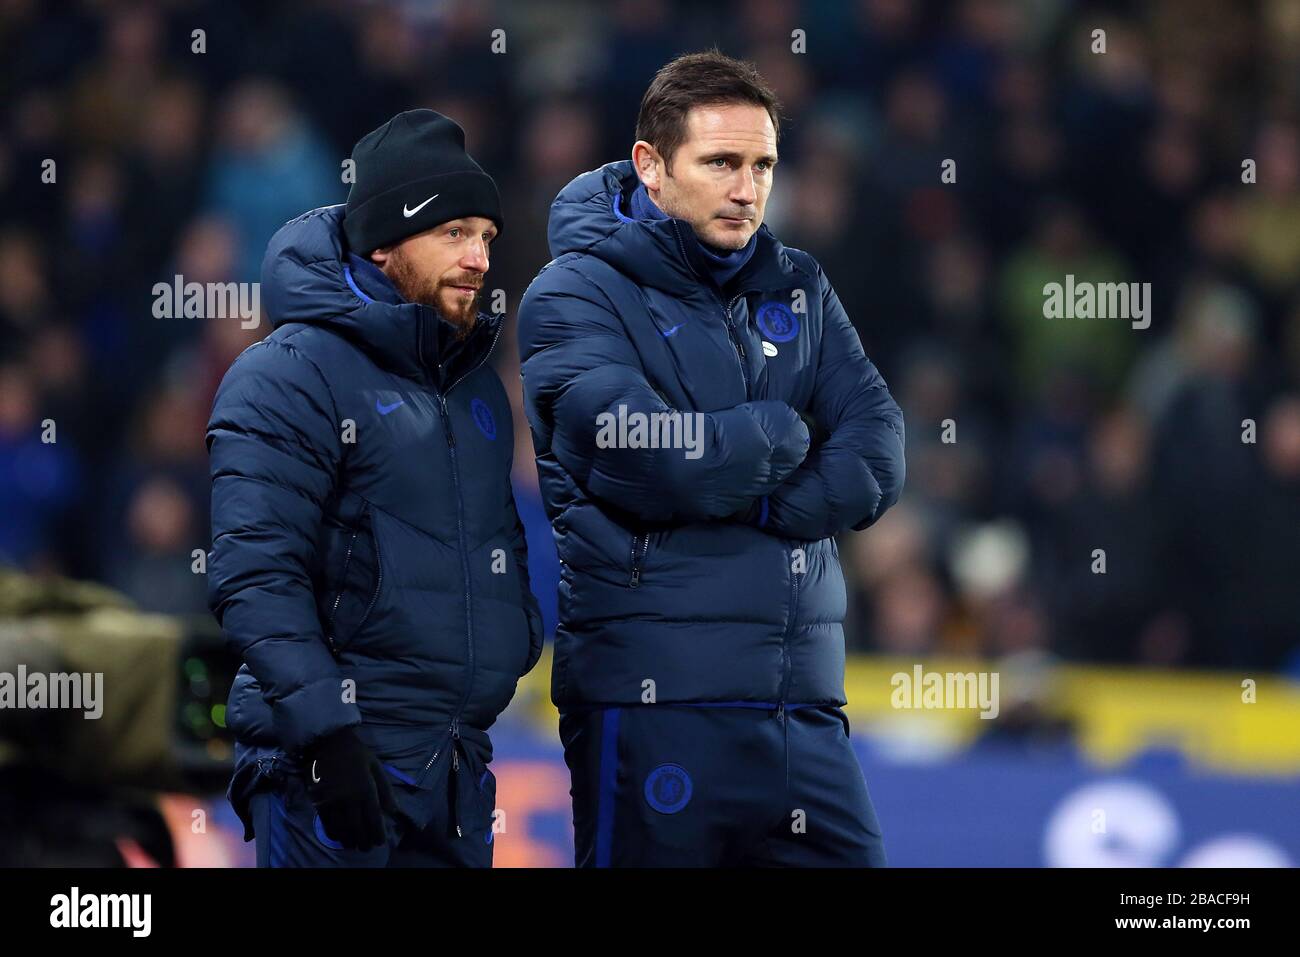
[(698, 79)]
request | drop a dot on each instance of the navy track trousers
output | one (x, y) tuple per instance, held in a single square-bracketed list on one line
[(718, 786), (289, 832)]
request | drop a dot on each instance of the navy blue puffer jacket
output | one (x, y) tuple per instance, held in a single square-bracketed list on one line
[(367, 561), (709, 579)]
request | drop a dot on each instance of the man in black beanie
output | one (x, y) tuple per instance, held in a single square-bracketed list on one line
[(368, 562), (424, 212)]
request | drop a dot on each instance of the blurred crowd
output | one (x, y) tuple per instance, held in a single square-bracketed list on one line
[(1076, 487)]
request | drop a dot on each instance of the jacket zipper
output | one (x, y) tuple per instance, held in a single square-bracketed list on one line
[(786, 669), (638, 556), (726, 313), (455, 769), (338, 597), (739, 346), (460, 527), (735, 341), (454, 728), (486, 354), (437, 751), (464, 557)]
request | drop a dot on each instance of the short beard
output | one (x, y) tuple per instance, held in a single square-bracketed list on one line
[(463, 329), (416, 287), (670, 208)]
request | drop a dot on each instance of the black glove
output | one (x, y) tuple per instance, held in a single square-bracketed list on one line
[(816, 434), (348, 785)]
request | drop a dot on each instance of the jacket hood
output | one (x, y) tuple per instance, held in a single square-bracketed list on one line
[(306, 278), (590, 216)]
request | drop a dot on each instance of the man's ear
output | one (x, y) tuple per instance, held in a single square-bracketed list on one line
[(648, 164), (381, 256)]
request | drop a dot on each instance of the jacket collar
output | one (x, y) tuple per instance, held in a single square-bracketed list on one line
[(590, 215)]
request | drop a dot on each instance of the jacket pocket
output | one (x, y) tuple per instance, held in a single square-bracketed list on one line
[(357, 585), (487, 788), (476, 798)]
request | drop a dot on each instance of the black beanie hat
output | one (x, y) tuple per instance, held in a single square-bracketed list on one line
[(412, 174)]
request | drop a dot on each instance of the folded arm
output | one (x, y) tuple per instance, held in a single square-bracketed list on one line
[(850, 479), (581, 373)]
